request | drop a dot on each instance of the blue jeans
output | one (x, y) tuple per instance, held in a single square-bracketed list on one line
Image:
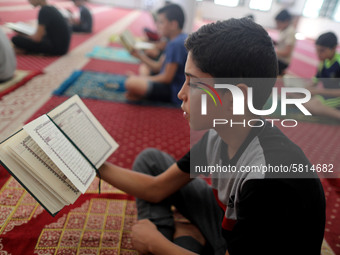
[(195, 201)]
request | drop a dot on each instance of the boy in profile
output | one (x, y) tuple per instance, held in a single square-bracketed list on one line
[(286, 42), (52, 36), (169, 77), (84, 23), (326, 100), (241, 213), (8, 62)]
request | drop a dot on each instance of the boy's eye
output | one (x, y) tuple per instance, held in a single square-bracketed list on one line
[(193, 85)]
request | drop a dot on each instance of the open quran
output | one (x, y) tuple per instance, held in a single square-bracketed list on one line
[(130, 43), (56, 156), (21, 27)]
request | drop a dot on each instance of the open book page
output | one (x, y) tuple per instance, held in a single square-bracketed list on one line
[(21, 28), (66, 14), (79, 124), (61, 151), (27, 179), (144, 45), (129, 42), (26, 150)]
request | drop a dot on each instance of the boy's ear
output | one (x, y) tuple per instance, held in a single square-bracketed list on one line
[(244, 89), (227, 100), (174, 24)]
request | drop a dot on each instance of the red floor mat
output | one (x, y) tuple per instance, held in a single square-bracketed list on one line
[(301, 68), (105, 66), (20, 83)]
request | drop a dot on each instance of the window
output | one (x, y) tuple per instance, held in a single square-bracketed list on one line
[(261, 5), (327, 8), (229, 3), (336, 15), (312, 8), (322, 8)]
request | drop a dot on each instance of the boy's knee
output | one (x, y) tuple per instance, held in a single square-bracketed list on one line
[(149, 153), (131, 83), (144, 158), (128, 83), (189, 237), (136, 85), (15, 40)]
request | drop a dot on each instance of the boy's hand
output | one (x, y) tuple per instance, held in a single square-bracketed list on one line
[(136, 53), (314, 91), (130, 73), (143, 233)]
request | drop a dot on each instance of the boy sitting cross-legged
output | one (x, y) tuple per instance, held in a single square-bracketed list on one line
[(242, 212)]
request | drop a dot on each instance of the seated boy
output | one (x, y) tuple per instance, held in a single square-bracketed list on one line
[(165, 85), (286, 42), (242, 212), (84, 23), (326, 100), (8, 62), (52, 36)]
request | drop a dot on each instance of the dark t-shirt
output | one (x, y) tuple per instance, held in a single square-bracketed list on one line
[(329, 73), (175, 52), (262, 214), (85, 21), (58, 33)]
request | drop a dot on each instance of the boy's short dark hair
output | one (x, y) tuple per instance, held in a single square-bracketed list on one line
[(173, 12), (251, 17), (236, 48), (283, 16), (328, 40)]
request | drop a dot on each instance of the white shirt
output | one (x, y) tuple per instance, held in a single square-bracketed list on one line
[(286, 38), (8, 62)]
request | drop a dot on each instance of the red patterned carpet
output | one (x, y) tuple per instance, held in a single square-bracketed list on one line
[(95, 224)]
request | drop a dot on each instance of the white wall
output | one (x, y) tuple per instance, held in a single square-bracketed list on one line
[(209, 10), (121, 3), (312, 28), (189, 7)]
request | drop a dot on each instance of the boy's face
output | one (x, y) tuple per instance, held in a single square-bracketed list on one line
[(324, 52), (77, 2), (164, 26), (190, 94), (281, 25), (35, 3)]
